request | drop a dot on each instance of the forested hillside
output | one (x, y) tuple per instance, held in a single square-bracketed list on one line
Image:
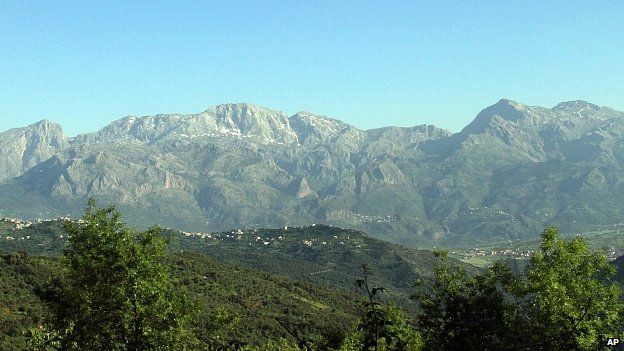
[(234, 304), (323, 255), (160, 281)]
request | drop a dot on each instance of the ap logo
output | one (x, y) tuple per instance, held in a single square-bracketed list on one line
[(614, 343)]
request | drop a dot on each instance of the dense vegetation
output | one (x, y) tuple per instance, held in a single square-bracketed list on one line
[(21, 307), (322, 255), (118, 289), (232, 305), (566, 298)]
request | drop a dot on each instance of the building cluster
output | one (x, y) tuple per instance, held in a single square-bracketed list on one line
[(234, 235), (511, 253), (377, 219), (11, 238), (17, 223), (251, 237), (612, 253), (319, 242)]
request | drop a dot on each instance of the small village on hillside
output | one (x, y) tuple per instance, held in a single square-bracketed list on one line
[(10, 231)]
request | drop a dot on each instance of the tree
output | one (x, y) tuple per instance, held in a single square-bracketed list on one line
[(117, 294), (571, 298), (380, 328), (465, 313), (565, 299)]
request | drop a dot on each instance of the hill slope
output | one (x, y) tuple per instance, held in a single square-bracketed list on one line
[(245, 301), (321, 255)]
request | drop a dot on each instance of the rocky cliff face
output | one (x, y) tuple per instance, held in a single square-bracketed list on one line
[(23, 148), (514, 169), (228, 121)]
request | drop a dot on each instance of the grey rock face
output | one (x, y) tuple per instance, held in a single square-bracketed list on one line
[(23, 148), (304, 189), (228, 121)]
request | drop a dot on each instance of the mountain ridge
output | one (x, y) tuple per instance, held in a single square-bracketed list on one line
[(576, 106), (245, 165)]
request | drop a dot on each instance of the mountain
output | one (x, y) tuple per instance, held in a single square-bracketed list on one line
[(236, 121), (23, 148), (513, 170)]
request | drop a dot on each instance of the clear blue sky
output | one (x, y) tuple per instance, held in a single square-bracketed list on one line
[(86, 63)]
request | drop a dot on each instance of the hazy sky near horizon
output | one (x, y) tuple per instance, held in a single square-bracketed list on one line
[(84, 64)]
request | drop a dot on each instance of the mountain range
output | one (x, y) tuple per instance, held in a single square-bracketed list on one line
[(513, 170)]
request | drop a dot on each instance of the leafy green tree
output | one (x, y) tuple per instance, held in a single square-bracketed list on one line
[(216, 331), (42, 340), (274, 345), (117, 294), (571, 299), (565, 299), (469, 313), (380, 328), (374, 324), (398, 334)]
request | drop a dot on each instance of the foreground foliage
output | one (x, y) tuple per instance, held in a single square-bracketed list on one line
[(114, 290), (565, 299), (117, 294), (321, 255)]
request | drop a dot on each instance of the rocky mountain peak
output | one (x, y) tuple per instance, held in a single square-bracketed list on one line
[(240, 108), (252, 121), (320, 122), (580, 108), (228, 120), (143, 129), (504, 109), (243, 114), (47, 124), (312, 128), (508, 103), (575, 106), (45, 130), (507, 109), (23, 148)]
